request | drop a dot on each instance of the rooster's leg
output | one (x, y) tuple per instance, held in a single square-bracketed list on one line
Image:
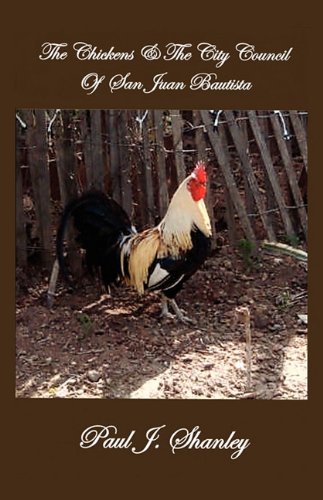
[(179, 313), (164, 311)]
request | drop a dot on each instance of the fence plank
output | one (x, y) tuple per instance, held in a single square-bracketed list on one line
[(97, 176), (249, 173), (86, 139), (115, 189), (271, 203), (287, 160), (147, 171), (66, 167), (161, 163), (229, 217), (139, 172), (21, 239), (243, 127), (36, 138), (125, 167), (177, 126), (300, 134), (202, 155), (229, 179), (230, 211), (271, 173), (65, 157), (199, 136)]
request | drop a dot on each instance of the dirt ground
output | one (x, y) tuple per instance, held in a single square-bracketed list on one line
[(116, 346)]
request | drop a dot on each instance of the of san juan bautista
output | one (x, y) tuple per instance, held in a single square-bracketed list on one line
[(200, 81)]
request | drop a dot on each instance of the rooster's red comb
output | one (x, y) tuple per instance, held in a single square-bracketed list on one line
[(199, 172)]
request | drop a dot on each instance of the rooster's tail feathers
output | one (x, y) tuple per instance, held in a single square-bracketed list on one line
[(101, 224)]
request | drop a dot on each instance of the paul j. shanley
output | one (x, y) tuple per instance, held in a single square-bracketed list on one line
[(109, 438)]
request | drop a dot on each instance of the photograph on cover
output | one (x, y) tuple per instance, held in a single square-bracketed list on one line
[(161, 254)]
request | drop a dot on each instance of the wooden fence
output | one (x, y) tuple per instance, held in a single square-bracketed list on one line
[(256, 161)]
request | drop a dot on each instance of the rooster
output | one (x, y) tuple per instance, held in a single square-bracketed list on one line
[(161, 258)]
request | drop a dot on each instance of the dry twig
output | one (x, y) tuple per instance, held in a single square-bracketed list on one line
[(243, 314)]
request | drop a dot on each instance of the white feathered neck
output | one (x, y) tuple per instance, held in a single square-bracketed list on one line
[(182, 215)]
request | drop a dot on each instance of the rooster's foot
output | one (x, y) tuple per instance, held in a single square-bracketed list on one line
[(179, 314), (167, 315)]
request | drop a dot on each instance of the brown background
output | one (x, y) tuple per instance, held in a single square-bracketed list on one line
[(41, 451)]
